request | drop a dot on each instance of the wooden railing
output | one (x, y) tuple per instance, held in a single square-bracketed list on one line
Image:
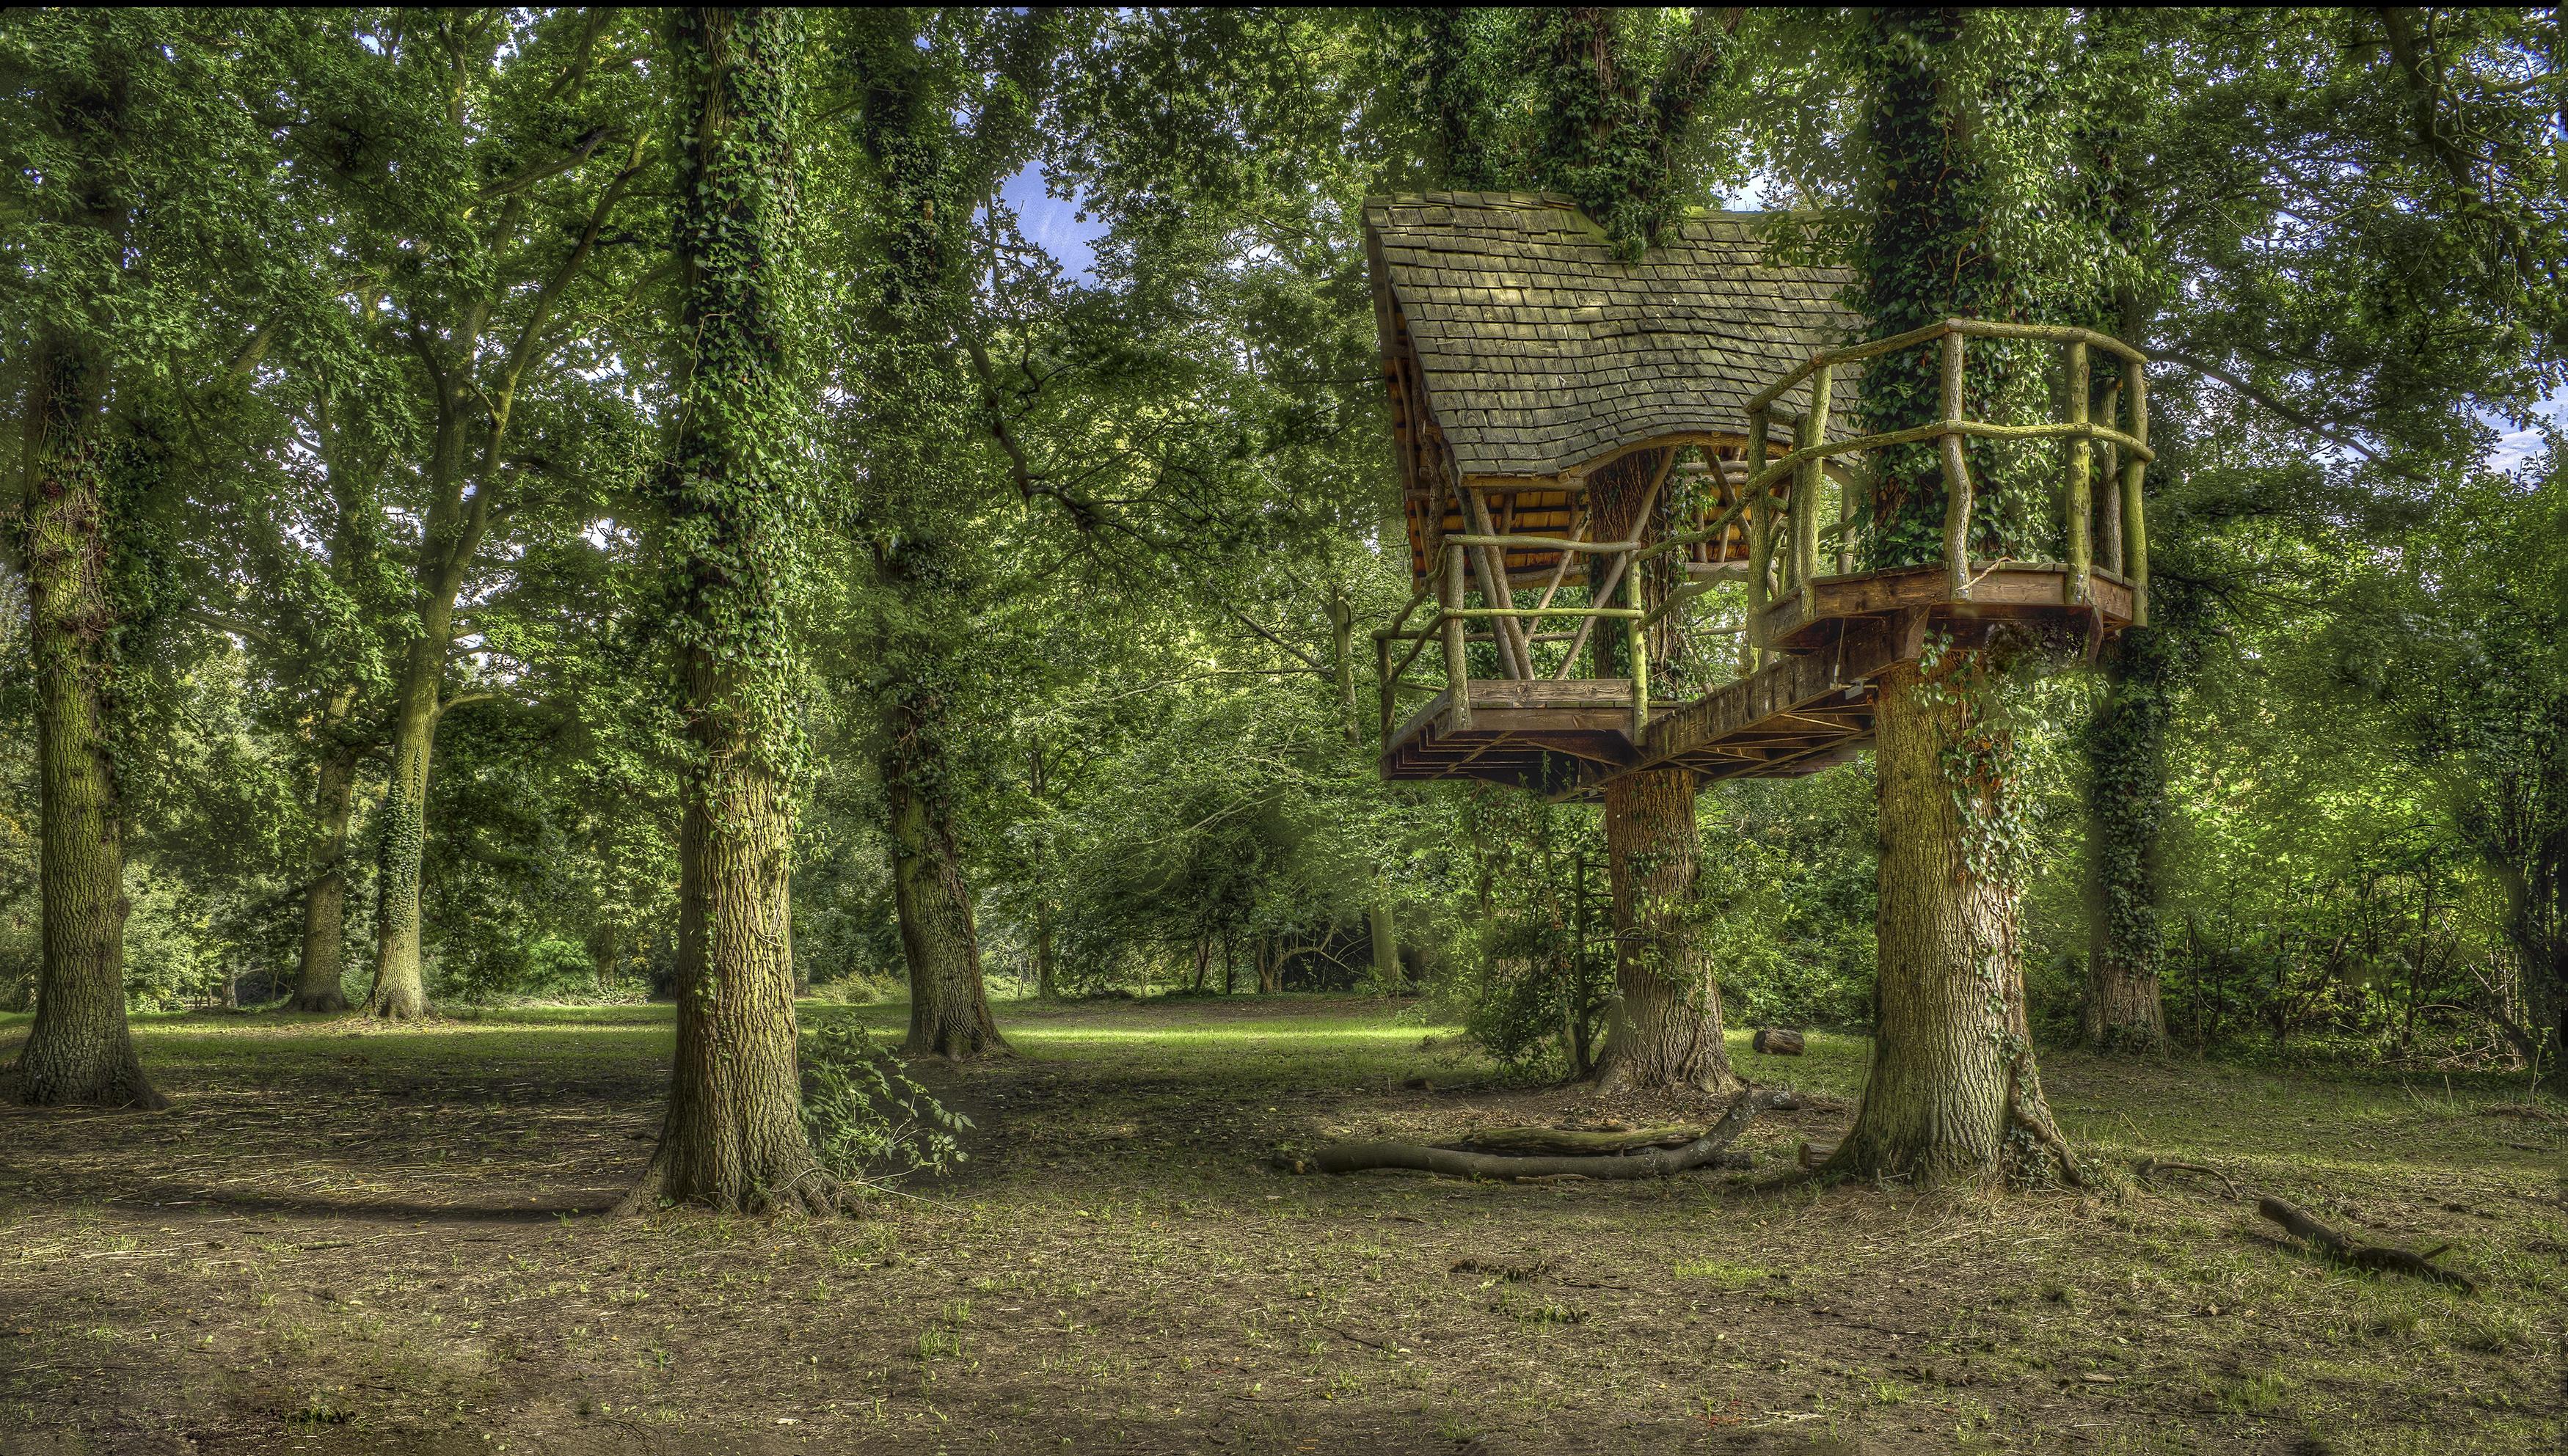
[(1794, 524), (1450, 624)]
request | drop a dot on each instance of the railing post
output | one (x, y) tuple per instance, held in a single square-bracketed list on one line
[(1759, 509), (1639, 646), (2080, 505), (1458, 661), (2112, 515), (1956, 479), (1389, 691), (1805, 482), (2136, 535)]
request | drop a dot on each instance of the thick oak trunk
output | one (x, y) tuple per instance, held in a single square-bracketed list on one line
[(1952, 1066), (1664, 1028), (949, 1011), (401, 990), (79, 1049), (732, 1137), (319, 984)]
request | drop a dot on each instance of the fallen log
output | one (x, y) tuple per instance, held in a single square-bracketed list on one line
[(1358, 1157), (2358, 1254), (1540, 1142), (1778, 1042)]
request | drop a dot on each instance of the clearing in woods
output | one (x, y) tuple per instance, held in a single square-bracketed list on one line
[(344, 1238)]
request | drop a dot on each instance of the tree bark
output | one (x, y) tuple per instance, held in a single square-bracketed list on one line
[(319, 985), (1664, 1027), (1384, 931), (401, 988), (949, 1011), (732, 1137), (79, 1049), (1952, 1066)]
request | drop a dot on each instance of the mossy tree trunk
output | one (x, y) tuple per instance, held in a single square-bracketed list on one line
[(320, 981), (1664, 1027), (949, 1009), (1952, 1067), (2127, 795), (400, 986), (1953, 1072), (79, 1049), (732, 1137)]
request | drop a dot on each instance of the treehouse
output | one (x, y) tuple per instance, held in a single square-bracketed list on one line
[(1637, 510)]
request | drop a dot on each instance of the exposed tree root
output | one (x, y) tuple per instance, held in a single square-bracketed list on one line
[(811, 1191), (2028, 1109), (1356, 1157), (2350, 1251)]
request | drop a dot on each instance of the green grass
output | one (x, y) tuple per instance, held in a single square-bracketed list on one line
[(346, 1235)]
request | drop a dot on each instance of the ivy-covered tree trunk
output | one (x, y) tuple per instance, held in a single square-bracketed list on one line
[(401, 987), (319, 984), (79, 1049), (1952, 1057), (949, 1011), (2125, 747), (1665, 1025), (1946, 104), (732, 1137)]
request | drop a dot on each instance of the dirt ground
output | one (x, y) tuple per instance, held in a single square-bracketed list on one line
[(343, 1239)]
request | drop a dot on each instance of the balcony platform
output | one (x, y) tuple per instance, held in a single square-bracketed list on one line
[(1809, 707)]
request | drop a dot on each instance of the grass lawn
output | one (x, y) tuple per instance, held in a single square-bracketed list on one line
[(344, 1239)]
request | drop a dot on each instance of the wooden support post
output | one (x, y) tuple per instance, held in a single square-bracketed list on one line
[(1956, 479), (1638, 646), (2081, 503), (1805, 482), (1457, 660), (2136, 536), (1759, 516)]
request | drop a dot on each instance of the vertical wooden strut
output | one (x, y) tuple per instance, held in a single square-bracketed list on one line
[(1515, 656), (1639, 646), (2136, 536), (1759, 513), (1458, 662), (1956, 479), (2081, 503), (2112, 515), (1805, 484)]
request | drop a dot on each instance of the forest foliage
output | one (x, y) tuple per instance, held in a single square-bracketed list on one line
[(390, 351)]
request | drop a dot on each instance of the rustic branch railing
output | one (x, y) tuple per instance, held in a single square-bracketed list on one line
[(1795, 523)]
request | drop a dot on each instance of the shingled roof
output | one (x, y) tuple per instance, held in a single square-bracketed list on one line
[(1530, 350)]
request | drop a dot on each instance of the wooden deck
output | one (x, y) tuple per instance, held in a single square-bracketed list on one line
[(1809, 707)]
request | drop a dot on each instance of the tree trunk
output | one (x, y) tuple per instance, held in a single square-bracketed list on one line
[(949, 1011), (319, 985), (1386, 942), (1952, 1057), (1045, 985), (1666, 1026), (2126, 807), (80, 1048), (401, 990), (1270, 968), (604, 943), (733, 1137)]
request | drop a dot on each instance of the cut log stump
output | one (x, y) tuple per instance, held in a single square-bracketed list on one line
[(1778, 1042)]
